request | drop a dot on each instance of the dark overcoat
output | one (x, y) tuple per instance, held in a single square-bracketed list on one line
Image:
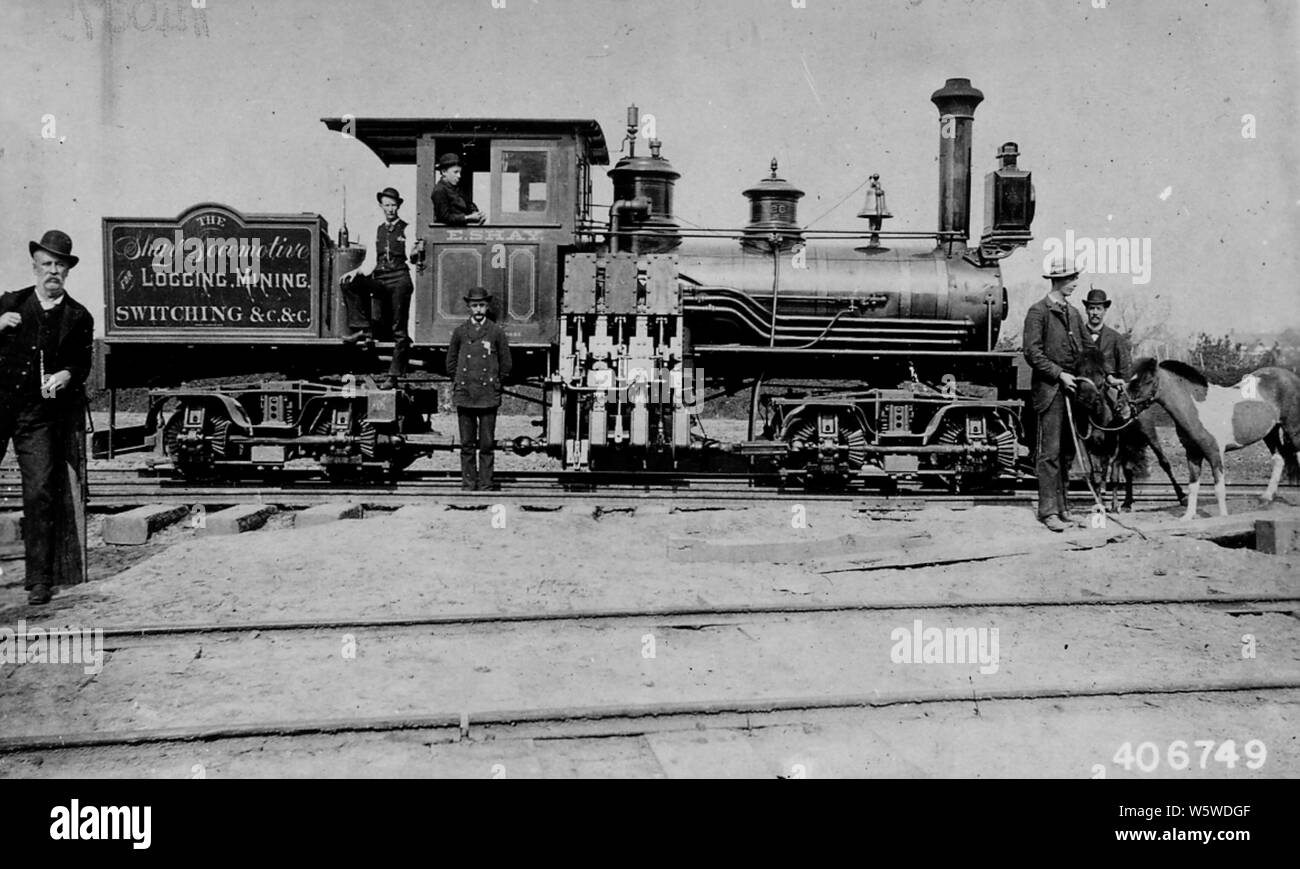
[(1054, 336), (478, 361), (74, 350), (450, 205), (1114, 349)]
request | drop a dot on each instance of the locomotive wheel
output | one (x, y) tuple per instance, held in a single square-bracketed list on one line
[(364, 448), (196, 461), (851, 438), (975, 473)]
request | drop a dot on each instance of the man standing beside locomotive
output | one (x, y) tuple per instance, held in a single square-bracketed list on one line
[(449, 204), (478, 361), (46, 339), (1113, 346), (1054, 336), (384, 298)]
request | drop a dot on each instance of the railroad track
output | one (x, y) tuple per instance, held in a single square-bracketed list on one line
[(627, 718), (121, 636), (115, 488)]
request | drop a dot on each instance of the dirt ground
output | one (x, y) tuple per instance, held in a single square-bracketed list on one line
[(1097, 612)]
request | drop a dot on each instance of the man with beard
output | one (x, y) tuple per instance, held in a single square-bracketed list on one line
[(46, 339), (1113, 346), (478, 362)]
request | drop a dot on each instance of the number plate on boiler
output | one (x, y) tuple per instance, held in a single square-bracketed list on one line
[(265, 455)]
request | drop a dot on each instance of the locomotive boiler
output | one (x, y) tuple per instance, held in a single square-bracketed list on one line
[(863, 354)]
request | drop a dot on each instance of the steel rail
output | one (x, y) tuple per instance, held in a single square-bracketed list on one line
[(646, 717), (631, 614)]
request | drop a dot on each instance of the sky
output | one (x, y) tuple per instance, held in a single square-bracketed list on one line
[(1171, 122)]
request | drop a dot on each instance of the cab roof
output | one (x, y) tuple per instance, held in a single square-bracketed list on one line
[(393, 139)]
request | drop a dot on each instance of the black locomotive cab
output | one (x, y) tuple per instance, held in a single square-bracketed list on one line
[(532, 181)]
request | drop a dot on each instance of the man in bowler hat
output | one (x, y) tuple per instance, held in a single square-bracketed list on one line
[(449, 204), (382, 299), (1054, 336), (46, 339), (1113, 346), (478, 361)]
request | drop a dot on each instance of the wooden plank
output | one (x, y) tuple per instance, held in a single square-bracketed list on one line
[(11, 528), (136, 526), (236, 520), (704, 549), (1278, 536), (323, 514)]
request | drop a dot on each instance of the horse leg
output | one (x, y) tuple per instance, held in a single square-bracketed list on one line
[(1112, 480), (1274, 442), (1220, 483), (1128, 489), (1193, 486), (1154, 442), (1115, 465)]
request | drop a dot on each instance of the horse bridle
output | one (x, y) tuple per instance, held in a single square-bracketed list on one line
[(1134, 410)]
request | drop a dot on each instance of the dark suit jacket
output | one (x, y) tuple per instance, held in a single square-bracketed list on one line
[(450, 205), (1054, 338), (478, 362), (18, 349), (1114, 349)]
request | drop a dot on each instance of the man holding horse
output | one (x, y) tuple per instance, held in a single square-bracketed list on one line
[(1113, 346), (1054, 343)]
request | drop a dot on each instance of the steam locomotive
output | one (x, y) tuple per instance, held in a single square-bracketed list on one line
[(866, 355)]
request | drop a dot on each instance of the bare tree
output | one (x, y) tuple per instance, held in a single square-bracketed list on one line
[(1143, 320)]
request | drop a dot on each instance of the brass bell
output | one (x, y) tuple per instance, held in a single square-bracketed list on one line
[(874, 209), (874, 206)]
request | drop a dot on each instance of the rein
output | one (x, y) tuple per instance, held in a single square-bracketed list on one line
[(1099, 427), (1135, 409), (1084, 456)]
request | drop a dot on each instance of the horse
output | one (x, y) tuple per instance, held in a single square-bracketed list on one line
[(1125, 446), (1212, 420), (1115, 436)]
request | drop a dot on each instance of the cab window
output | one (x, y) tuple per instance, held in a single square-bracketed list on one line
[(522, 182)]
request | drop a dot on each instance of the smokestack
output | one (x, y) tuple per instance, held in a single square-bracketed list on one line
[(956, 102)]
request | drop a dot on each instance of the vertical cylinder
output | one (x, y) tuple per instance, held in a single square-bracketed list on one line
[(956, 102)]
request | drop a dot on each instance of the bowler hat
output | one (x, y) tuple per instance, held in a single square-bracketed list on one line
[(1059, 270), (57, 244), (446, 161), (1096, 297), (477, 294), (390, 192)]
